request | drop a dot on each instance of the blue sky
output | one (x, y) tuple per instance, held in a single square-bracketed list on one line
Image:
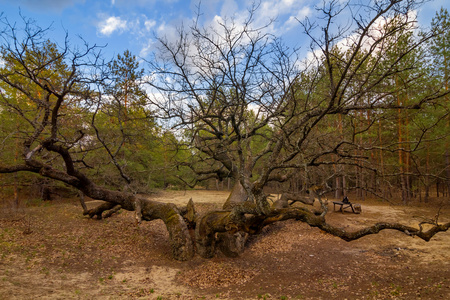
[(132, 24)]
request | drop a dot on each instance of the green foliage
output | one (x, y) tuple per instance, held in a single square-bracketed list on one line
[(363, 111), (440, 44), (118, 130)]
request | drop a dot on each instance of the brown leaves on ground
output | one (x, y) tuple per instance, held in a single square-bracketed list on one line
[(65, 255), (220, 275)]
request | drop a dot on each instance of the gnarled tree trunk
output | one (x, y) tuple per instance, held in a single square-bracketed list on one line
[(283, 202)]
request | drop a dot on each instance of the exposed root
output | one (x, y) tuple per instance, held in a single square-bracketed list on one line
[(98, 211)]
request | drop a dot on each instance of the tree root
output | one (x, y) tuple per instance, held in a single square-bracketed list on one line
[(228, 230), (232, 245), (109, 208), (222, 230)]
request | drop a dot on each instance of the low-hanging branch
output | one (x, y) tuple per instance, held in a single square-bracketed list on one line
[(238, 97)]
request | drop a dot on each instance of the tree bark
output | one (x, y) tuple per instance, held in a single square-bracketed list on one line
[(283, 202), (236, 197)]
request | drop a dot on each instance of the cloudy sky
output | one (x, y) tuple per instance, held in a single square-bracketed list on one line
[(132, 24)]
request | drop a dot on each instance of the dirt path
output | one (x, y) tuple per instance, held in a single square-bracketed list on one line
[(53, 252)]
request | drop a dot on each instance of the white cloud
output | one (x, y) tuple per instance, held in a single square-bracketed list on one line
[(164, 30), (293, 20), (376, 31), (149, 24), (147, 48), (229, 8), (276, 8), (284, 12), (168, 31), (303, 13), (111, 24)]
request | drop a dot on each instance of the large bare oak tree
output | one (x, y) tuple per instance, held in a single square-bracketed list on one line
[(242, 103)]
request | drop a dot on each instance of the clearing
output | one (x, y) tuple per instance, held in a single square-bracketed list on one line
[(50, 251)]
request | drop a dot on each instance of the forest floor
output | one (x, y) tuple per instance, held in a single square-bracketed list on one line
[(49, 250)]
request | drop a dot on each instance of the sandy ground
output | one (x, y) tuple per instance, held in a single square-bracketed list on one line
[(50, 251)]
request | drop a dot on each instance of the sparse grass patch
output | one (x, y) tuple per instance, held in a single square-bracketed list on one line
[(45, 270), (395, 290), (374, 293)]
